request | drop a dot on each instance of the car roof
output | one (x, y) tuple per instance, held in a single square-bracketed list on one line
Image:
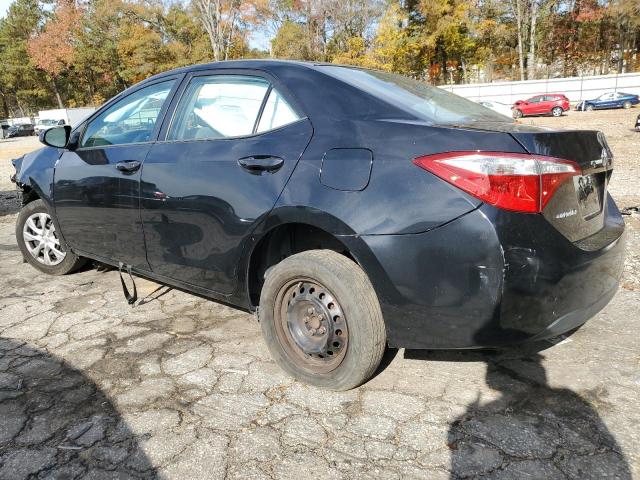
[(261, 64)]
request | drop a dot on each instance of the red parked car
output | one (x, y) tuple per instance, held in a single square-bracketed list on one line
[(548, 104)]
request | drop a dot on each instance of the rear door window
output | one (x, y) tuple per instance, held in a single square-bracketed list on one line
[(276, 113), (219, 106)]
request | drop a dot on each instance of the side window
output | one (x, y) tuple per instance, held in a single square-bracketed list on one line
[(218, 106), (130, 120), (535, 100), (276, 113)]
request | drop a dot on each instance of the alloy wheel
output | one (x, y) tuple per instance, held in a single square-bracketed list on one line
[(311, 325), (42, 242)]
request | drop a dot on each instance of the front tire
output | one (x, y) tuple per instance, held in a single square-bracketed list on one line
[(321, 320), (556, 111), (626, 105), (517, 113), (589, 108), (40, 244)]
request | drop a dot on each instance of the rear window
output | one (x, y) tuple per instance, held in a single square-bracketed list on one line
[(428, 103)]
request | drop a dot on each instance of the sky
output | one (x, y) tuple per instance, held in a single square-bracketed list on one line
[(4, 6)]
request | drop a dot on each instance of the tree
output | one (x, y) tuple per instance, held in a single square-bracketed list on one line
[(291, 42), (21, 86), (53, 49), (222, 20)]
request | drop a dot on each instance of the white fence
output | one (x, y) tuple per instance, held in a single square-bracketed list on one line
[(576, 88)]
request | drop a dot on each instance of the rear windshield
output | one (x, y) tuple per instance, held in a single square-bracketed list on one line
[(428, 103)]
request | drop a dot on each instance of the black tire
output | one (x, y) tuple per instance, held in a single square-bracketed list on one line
[(626, 105), (70, 263), (517, 113), (556, 111), (344, 281)]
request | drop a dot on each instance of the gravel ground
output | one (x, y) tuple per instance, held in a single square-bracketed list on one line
[(178, 387)]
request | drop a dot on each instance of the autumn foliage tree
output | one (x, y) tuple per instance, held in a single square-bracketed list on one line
[(53, 49)]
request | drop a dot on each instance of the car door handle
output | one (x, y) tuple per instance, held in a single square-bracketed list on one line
[(257, 164), (128, 166)]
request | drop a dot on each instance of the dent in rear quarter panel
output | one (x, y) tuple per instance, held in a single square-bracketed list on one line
[(492, 278)]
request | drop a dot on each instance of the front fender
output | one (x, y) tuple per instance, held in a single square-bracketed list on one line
[(36, 171)]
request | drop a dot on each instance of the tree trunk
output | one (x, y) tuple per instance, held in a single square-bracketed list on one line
[(5, 107), (58, 97), (517, 10), (531, 57), (20, 106)]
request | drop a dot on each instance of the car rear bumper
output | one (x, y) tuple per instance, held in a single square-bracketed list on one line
[(493, 278)]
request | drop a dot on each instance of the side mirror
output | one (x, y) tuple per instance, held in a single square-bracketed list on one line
[(56, 137)]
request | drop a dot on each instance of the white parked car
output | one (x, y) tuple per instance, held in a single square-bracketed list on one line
[(501, 108), (46, 124)]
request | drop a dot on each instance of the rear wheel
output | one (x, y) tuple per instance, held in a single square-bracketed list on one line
[(321, 320), (626, 105), (517, 113), (40, 244), (556, 111)]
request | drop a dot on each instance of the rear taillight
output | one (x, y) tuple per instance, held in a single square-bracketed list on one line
[(512, 181)]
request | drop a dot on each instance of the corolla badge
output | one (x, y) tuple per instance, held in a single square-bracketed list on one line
[(568, 213)]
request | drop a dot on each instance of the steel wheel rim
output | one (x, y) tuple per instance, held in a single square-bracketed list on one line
[(311, 325), (42, 242)]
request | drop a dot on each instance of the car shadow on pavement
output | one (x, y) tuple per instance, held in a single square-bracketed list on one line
[(55, 422), (528, 429)]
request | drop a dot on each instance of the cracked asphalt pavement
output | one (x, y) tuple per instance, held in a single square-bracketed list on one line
[(180, 387)]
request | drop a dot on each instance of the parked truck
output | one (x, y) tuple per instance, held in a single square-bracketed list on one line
[(61, 116)]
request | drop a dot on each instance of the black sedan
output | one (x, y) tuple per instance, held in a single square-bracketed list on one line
[(22, 130), (352, 209)]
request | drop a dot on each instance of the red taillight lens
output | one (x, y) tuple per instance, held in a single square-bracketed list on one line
[(512, 181)]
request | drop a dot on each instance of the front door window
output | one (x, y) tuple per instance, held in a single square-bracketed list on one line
[(130, 120)]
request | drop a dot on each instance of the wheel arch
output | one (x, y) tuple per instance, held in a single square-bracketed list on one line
[(289, 231)]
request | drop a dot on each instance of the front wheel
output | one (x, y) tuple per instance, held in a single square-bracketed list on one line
[(589, 108), (40, 244), (626, 105), (321, 319), (556, 111)]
